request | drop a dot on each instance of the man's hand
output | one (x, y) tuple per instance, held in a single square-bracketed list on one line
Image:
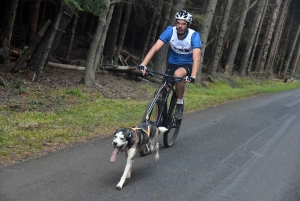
[(143, 69), (190, 79)]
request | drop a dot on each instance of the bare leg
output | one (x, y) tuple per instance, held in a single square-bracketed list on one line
[(180, 86)]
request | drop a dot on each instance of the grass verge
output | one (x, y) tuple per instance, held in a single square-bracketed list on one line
[(30, 134)]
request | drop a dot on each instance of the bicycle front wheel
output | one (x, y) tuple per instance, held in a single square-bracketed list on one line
[(171, 135), (173, 124), (151, 115)]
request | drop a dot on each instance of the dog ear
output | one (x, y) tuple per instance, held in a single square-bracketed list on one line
[(129, 136)]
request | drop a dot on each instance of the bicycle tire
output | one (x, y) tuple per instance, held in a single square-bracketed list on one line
[(152, 117), (173, 125)]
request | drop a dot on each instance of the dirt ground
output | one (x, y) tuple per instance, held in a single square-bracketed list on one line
[(19, 93)]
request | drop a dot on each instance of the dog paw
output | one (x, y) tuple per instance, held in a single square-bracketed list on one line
[(128, 175), (119, 186), (156, 158)]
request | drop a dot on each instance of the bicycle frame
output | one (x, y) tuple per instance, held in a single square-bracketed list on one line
[(164, 90), (163, 114)]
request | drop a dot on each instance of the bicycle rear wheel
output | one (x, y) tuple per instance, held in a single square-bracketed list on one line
[(173, 124), (152, 116)]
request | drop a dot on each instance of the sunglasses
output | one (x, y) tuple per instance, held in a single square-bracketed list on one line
[(181, 24)]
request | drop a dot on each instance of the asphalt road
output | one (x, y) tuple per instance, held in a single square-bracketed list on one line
[(245, 150)]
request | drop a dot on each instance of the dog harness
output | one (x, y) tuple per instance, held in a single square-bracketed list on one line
[(139, 128), (135, 135)]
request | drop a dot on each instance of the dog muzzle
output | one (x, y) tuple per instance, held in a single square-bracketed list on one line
[(116, 151)]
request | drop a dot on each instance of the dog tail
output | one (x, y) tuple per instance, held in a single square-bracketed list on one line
[(162, 130)]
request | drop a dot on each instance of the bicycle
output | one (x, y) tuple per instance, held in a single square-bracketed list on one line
[(161, 110)]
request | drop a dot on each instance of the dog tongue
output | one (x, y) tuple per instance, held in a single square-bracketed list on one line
[(114, 155)]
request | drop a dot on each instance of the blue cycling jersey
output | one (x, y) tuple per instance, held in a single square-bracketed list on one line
[(180, 51)]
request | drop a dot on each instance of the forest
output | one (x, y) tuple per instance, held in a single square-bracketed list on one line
[(239, 37)]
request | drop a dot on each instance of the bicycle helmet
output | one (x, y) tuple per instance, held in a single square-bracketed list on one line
[(184, 15)]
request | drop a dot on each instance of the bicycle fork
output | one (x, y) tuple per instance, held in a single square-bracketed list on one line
[(172, 122)]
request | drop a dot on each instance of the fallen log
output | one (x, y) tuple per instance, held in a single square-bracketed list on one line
[(105, 67), (126, 69), (115, 67), (65, 66)]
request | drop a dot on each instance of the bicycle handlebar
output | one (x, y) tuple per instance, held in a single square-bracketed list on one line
[(169, 77)]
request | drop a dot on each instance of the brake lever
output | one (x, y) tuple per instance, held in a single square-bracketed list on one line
[(150, 73)]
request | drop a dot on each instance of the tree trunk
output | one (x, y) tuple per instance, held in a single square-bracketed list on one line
[(280, 61), (277, 37), (160, 58), (112, 34), (297, 69), (64, 25), (251, 37), (66, 18), (205, 28), (214, 62), (291, 52), (123, 31), (91, 20), (295, 61), (177, 6), (261, 48), (80, 29), (237, 38), (269, 38), (89, 73), (28, 52), (7, 32), (48, 46), (156, 23), (34, 19), (282, 68), (147, 39), (22, 26), (254, 68), (74, 24), (99, 53), (165, 15)]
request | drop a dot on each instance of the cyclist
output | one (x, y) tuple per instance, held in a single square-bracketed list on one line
[(183, 55)]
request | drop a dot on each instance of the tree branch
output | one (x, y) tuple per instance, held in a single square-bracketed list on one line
[(252, 5)]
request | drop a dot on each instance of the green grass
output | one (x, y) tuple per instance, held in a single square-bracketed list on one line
[(76, 92), (27, 134)]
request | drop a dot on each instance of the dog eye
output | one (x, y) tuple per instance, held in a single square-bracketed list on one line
[(122, 138)]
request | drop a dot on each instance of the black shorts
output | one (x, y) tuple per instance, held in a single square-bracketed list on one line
[(173, 67)]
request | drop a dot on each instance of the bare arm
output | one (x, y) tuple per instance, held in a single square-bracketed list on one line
[(196, 61), (159, 43)]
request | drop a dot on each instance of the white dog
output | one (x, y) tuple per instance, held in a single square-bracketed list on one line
[(132, 140)]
